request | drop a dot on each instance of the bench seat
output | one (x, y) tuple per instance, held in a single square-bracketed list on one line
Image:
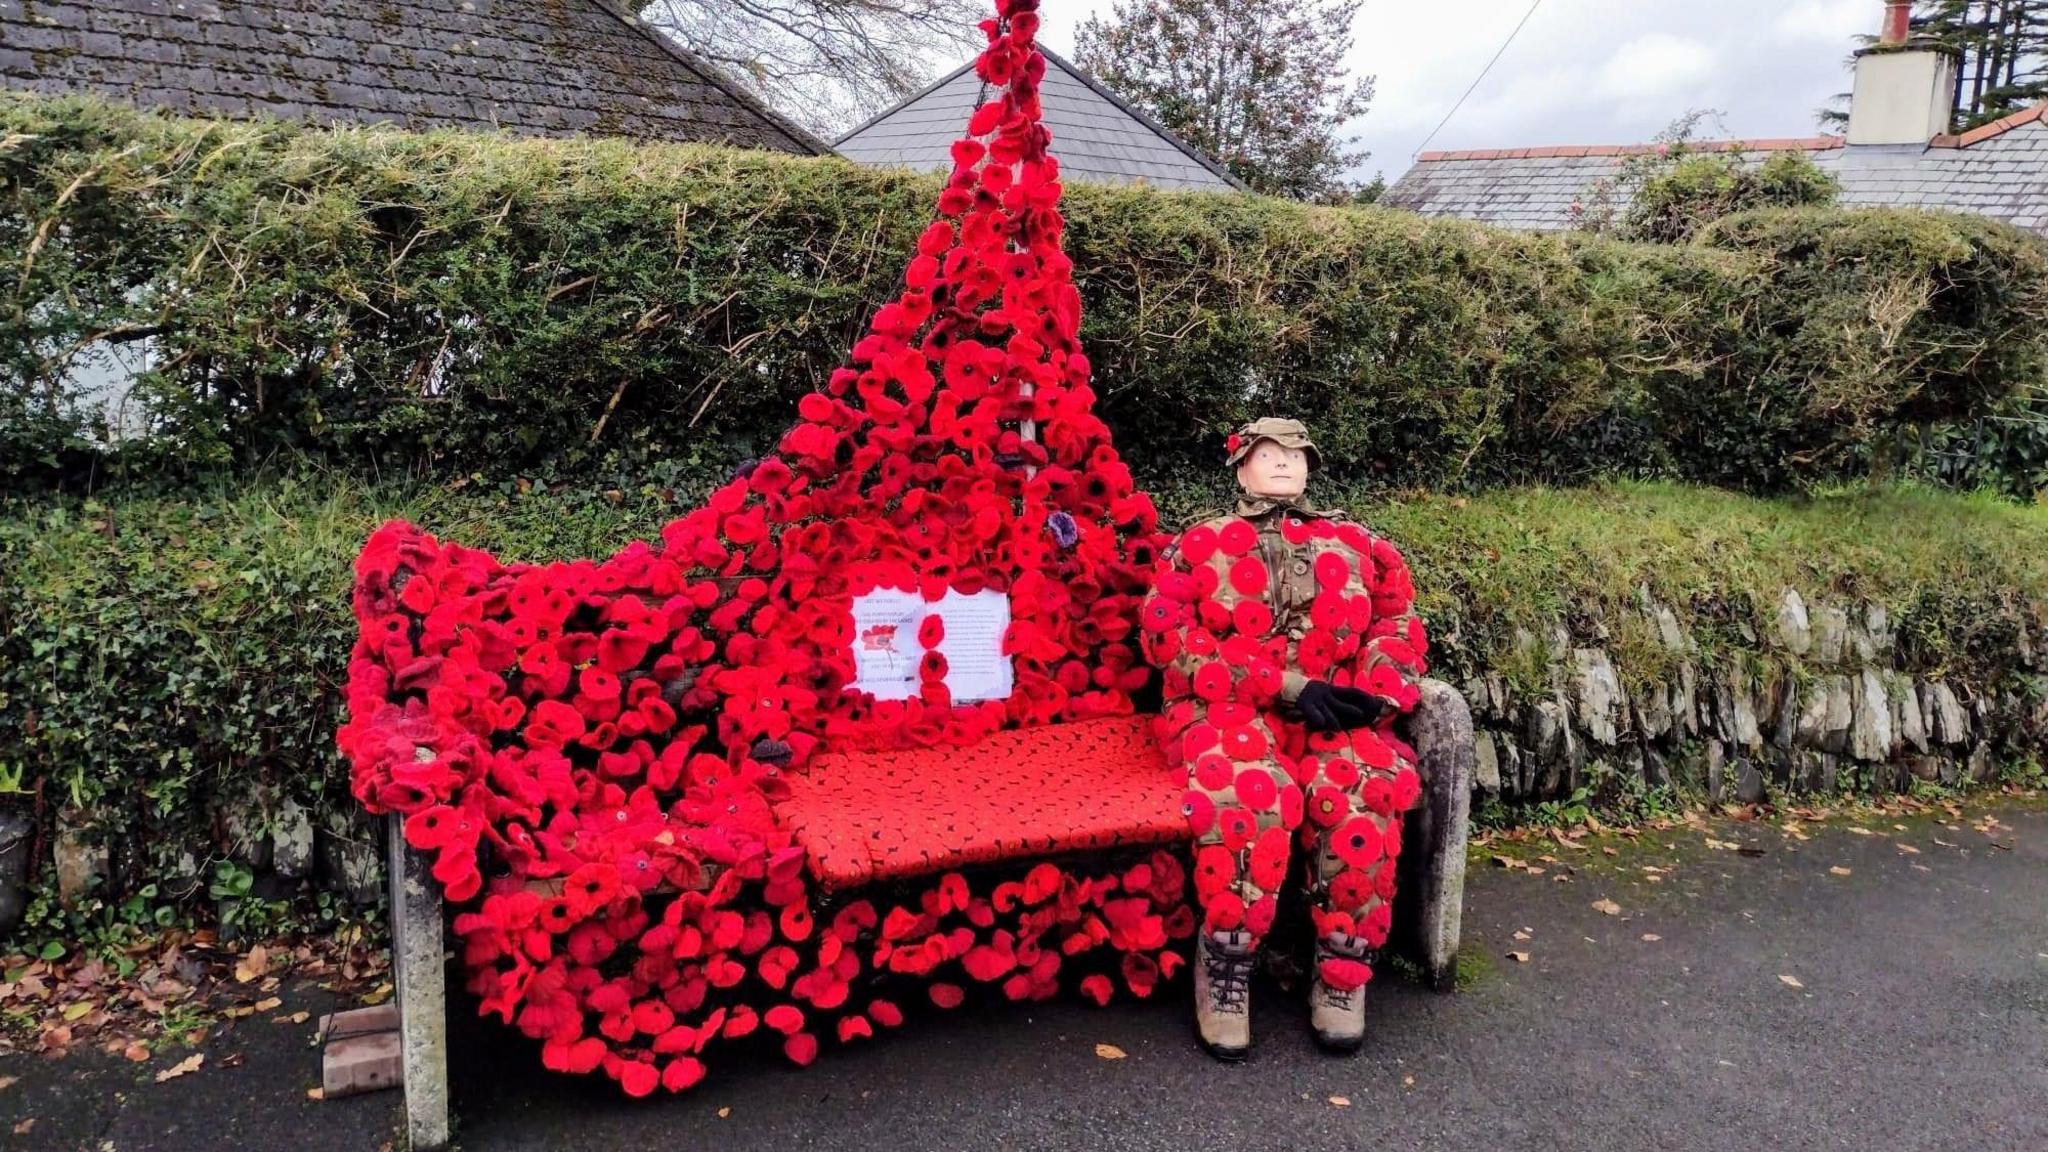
[(868, 817)]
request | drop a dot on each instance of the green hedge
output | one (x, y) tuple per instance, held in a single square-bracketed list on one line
[(404, 305), (161, 657)]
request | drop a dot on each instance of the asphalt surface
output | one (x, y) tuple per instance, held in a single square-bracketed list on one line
[(1919, 1021)]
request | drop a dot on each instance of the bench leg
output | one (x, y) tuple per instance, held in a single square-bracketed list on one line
[(1442, 732), (418, 969)]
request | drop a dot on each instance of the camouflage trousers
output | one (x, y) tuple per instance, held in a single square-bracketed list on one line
[(1267, 798)]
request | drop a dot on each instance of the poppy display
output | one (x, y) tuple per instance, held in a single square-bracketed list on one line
[(599, 757)]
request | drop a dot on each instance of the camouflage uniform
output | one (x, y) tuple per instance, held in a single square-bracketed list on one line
[(1249, 609)]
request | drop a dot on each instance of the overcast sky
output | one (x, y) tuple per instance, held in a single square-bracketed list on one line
[(1582, 71)]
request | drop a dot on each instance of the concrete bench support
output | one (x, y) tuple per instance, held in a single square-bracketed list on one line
[(1433, 888), (419, 971)]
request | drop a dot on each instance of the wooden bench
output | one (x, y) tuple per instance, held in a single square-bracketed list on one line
[(1018, 795)]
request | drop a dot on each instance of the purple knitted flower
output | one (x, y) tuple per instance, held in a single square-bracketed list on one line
[(1063, 529)]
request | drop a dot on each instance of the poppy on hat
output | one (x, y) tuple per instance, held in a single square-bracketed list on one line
[(1286, 433)]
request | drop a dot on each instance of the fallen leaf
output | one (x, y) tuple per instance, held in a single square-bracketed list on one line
[(378, 995), (238, 1011), (1607, 907), (1909, 850), (1341, 1101), (294, 1018), (1519, 957), (268, 1003), (1109, 1052), (1609, 852), (724, 1112), (22, 1128), (78, 1011), (253, 966), (7, 1082), (1790, 981), (188, 1064), (1651, 937), (315, 1094), (1521, 935), (1861, 831), (1838, 870), (1407, 1081), (137, 1052)]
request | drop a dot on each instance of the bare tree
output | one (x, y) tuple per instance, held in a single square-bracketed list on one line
[(824, 63)]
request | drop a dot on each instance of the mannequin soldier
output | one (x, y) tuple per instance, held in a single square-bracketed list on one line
[(1289, 648)]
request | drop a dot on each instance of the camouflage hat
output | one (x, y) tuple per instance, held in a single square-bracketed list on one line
[(1286, 433)]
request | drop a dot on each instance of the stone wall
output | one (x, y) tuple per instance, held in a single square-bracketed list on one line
[(1815, 700), (1820, 700)]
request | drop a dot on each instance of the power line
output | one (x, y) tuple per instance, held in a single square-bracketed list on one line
[(1476, 81)]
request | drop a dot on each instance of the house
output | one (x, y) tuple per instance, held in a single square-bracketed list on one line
[(1096, 136), (1897, 153), (557, 68)]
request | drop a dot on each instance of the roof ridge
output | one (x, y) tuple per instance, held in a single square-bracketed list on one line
[(1754, 144), (1998, 127), (717, 78), (1141, 117), (1155, 127), (900, 105)]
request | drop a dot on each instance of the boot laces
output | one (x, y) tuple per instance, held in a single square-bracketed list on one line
[(1230, 976)]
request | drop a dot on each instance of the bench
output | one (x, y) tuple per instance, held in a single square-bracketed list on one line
[(1068, 788)]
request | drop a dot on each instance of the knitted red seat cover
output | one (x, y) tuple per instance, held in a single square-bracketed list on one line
[(1096, 784)]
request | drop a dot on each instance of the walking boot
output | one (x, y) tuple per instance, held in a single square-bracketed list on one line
[(1338, 1014), (1223, 987)]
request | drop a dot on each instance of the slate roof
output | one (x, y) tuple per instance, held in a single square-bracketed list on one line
[(1999, 170), (1095, 135), (536, 67)]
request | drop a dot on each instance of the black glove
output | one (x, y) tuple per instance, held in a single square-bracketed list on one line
[(1329, 707)]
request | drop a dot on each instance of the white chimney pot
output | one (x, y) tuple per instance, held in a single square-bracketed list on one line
[(1903, 95)]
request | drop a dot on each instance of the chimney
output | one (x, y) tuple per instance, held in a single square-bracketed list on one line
[(1905, 85), (1898, 22)]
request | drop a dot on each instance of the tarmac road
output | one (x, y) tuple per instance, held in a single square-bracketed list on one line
[(1919, 1021)]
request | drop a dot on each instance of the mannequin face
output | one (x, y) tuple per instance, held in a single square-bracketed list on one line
[(1273, 472)]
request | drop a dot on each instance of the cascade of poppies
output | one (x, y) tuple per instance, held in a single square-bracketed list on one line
[(959, 450), (592, 751)]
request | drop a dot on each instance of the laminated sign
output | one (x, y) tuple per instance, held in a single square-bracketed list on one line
[(890, 629)]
